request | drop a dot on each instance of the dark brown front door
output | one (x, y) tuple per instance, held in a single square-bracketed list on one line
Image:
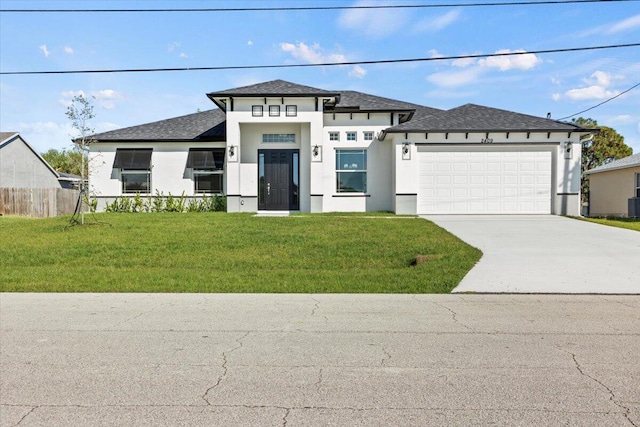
[(278, 180)]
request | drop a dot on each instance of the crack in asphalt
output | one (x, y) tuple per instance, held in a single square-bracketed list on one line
[(387, 357), (612, 396), (318, 383), (454, 315), (26, 415), (224, 367)]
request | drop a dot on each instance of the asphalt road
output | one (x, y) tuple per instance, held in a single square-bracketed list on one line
[(276, 360)]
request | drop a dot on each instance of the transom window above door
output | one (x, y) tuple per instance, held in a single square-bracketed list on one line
[(279, 137)]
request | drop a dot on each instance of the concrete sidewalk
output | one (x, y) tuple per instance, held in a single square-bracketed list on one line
[(300, 360), (547, 254)]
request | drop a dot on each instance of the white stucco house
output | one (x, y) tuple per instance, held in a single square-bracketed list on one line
[(280, 146)]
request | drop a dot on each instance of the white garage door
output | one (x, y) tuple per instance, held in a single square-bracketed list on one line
[(484, 182)]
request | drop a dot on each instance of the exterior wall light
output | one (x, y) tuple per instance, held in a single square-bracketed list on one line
[(232, 151), (316, 151), (568, 150), (406, 151)]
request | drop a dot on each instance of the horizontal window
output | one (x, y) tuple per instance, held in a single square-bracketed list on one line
[(135, 181), (351, 136), (368, 136), (351, 182), (334, 136), (279, 137), (207, 182)]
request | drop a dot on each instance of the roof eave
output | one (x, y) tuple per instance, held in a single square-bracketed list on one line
[(615, 168)]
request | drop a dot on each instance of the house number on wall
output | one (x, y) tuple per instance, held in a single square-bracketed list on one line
[(486, 141)]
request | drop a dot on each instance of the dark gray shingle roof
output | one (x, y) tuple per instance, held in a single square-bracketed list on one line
[(205, 126), (273, 88), (471, 117), (366, 102), (627, 162)]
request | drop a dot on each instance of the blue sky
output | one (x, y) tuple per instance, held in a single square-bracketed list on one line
[(561, 83)]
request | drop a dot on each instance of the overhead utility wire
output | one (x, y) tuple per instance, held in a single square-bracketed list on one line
[(324, 64), (302, 8), (603, 102)]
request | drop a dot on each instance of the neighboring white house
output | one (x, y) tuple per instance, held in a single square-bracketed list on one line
[(280, 146)]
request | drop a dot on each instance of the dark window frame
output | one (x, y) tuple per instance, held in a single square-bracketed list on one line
[(257, 110), (274, 111), (291, 110)]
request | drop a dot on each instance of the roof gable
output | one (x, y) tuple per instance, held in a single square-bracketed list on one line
[(626, 162), (273, 88)]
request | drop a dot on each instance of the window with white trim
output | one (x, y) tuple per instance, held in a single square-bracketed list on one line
[(638, 185), (368, 136), (351, 136), (334, 136), (351, 171)]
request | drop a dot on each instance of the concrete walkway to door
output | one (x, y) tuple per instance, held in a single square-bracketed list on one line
[(547, 254)]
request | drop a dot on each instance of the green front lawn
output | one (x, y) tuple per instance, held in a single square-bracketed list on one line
[(219, 252), (631, 224)]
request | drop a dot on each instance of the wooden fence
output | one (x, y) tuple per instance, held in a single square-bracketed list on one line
[(37, 202)]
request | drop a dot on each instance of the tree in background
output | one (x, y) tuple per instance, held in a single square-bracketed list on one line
[(606, 146), (66, 161)]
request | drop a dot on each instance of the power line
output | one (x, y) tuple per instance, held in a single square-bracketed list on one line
[(323, 64), (603, 102), (306, 8)]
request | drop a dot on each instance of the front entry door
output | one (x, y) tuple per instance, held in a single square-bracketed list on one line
[(278, 179)]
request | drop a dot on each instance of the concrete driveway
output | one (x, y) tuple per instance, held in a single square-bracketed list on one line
[(547, 254)]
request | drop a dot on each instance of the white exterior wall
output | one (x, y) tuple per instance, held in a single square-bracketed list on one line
[(379, 196), (169, 174), (244, 133)]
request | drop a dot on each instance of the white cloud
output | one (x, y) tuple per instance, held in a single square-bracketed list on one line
[(45, 51), (172, 46), (591, 92), (555, 81), (623, 119), (104, 98), (556, 96), (597, 87), (376, 23), (357, 72), (435, 54), (183, 55), (314, 54), (601, 78), (523, 61), (68, 50), (463, 62), (249, 43), (455, 78), (437, 23), (624, 25)]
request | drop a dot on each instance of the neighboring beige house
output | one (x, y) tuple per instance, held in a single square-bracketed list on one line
[(612, 185)]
